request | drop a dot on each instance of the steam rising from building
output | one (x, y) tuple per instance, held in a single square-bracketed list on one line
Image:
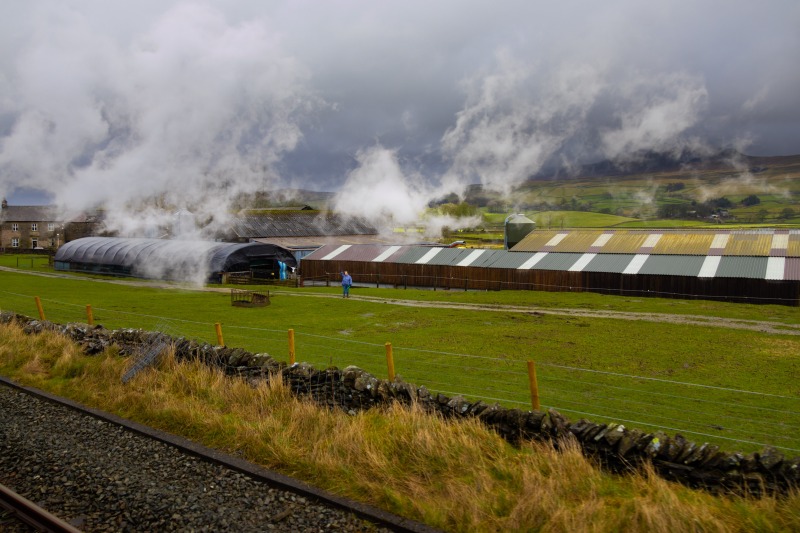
[(151, 110)]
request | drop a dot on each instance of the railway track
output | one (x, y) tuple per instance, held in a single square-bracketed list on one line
[(24, 511), (100, 472)]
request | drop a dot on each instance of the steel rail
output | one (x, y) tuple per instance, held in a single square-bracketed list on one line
[(28, 512), (372, 514)]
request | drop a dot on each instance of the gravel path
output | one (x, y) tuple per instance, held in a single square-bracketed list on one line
[(100, 477)]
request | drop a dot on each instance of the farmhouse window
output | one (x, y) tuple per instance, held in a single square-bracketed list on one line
[(51, 226), (14, 227), (15, 242), (34, 227)]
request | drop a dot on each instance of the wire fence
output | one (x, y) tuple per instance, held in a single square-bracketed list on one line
[(735, 419)]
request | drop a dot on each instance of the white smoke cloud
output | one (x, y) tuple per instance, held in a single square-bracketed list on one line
[(380, 189), (162, 105), (655, 112), (514, 119), (192, 111)]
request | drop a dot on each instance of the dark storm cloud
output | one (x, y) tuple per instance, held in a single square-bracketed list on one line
[(113, 101)]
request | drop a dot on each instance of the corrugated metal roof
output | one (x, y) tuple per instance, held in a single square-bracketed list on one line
[(448, 256), (636, 264), (792, 269), (673, 265), (471, 257), (756, 243), (577, 241), (742, 267), (625, 243), (793, 250), (615, 263), (337, 252), (710, 266), (509, 259), (749, 243), (684, 244), (385, 254), (322, 251), (492, 256), (535, 240), (365, 252), (558, 261), (581, 263), (412, 254), (532, 260), (776, 267), (646, 264)]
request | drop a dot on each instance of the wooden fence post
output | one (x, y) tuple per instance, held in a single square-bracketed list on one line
[(534, 385), (291, 347), (39, 307), (390, 361), (89, 315), (218, 327)]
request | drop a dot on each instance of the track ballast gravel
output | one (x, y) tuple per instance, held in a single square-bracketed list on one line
[(100, 477)]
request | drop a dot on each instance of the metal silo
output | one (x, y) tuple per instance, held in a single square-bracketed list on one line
[(516, 227)]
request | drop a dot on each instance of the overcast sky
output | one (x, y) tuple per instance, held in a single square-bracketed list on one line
[(388, 102)]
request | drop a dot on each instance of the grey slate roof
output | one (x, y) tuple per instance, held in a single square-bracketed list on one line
[(299, 224), (28, 213)]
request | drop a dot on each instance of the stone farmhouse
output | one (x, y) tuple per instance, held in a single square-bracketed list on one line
[(40, 228)]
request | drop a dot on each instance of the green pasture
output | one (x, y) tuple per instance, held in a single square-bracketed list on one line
[(636, 372)]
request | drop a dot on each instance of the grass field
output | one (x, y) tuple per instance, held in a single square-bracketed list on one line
[(603, 369), (454, 476)]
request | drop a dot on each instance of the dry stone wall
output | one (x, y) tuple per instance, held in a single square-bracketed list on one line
[(351, 389)]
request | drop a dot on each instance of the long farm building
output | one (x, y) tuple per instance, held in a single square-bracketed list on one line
[(756, 266)]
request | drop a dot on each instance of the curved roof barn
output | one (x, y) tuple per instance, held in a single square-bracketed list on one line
[(167, 259)]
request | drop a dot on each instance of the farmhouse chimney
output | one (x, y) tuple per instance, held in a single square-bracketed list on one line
[(5, 203)]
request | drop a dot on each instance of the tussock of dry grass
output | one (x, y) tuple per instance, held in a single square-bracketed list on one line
[(455, 476)]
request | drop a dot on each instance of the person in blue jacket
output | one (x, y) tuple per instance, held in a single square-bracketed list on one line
[(347, 280)]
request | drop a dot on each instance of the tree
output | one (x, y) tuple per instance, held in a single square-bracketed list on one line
[(751, 200), (787, 213), (761, 216)]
